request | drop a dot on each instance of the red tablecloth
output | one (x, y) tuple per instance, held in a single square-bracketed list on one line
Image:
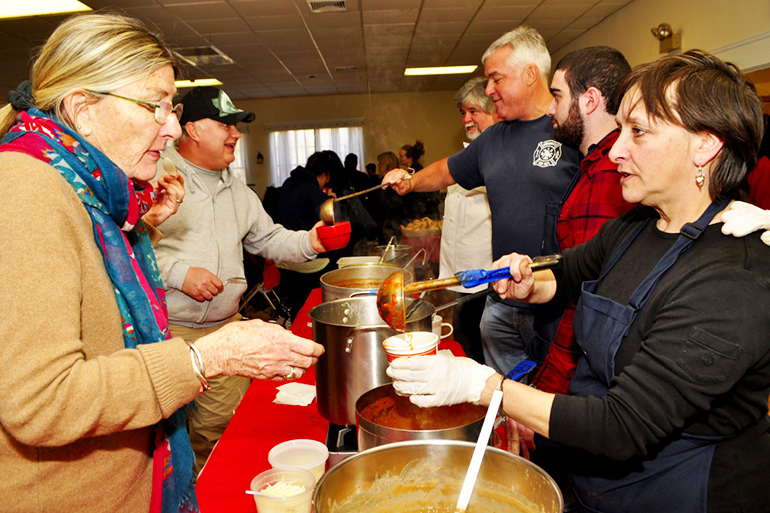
[(257, 426)]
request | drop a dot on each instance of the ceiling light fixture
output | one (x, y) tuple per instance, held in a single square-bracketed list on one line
[(29, 8), (203, 56), (200, 82), (439, 70)]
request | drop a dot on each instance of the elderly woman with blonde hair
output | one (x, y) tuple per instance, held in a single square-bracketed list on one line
[(92, 414)]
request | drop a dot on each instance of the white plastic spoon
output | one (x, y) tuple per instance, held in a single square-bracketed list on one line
[(478, 452)]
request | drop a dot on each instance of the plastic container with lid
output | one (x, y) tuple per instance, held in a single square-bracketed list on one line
[(300, 454), (283, 481)]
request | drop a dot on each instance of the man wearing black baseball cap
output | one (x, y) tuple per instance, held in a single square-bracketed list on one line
[(202, 245), (213, 103)]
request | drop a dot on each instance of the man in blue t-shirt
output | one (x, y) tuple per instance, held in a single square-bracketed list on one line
[(527, 174)]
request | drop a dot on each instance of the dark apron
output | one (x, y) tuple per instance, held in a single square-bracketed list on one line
[(676, 478)]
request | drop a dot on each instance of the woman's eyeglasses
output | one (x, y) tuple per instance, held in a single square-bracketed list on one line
[(162, 109)]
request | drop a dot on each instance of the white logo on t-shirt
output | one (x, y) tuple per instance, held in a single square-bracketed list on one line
[(547, 154)]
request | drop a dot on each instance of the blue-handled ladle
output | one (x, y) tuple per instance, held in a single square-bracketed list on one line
[(390, 296)]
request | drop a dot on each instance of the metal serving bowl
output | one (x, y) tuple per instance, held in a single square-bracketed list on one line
[(416, 476)]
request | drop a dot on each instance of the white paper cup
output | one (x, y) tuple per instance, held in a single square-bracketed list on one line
[(300, 503), (437, 326), (302, 454), (416, 343)]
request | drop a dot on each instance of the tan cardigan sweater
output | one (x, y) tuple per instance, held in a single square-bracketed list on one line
[(76, 408)]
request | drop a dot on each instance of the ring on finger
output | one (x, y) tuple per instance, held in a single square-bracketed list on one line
[(290, 376), (178, 201)]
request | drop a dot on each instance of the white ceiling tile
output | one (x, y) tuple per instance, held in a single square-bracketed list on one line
[(380, 5), (265, 37), (264, 7), (558, 11), (388, 30), (287, 22), (387, 16), (221, 40), (455, 14), (498, 27), (441, 27), (334, 19), (219, 26), (203, 11)]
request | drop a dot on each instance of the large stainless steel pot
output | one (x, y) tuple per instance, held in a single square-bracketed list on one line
[(396, 253), (341, 283), (384, 417), (428, 475), (354, 362)]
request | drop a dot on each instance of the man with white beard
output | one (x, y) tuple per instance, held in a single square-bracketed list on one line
[(466, 236)]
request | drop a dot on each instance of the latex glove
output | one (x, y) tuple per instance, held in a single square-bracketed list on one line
[(439, 380), (742, 219)]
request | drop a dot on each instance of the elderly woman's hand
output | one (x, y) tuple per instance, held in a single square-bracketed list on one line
[(439, 380), (257, 349), (169, 194), (741, 219)]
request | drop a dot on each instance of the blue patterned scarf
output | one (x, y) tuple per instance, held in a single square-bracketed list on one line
[(112, 203)]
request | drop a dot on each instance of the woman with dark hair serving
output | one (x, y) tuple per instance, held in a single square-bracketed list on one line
[(667, 410)]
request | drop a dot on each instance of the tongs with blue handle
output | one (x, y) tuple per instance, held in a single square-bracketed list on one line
[(473, 277)]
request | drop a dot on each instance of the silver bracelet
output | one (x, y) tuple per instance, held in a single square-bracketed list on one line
[(198, 368), (500, 388)]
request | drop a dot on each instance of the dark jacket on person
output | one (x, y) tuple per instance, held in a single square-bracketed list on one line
[(301, 200)]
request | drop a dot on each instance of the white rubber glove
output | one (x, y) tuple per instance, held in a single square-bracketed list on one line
[(439, 380), (742, 219)]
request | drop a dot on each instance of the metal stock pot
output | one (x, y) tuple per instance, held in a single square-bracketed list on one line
[(341, 283), (397, 254), (427, 475), (354, 362), (384, 417)]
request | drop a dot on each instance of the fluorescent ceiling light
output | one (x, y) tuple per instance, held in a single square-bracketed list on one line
[(40, 8), (440, 70), (197, 83)]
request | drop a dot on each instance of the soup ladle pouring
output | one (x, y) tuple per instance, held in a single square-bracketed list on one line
[(390, 296)]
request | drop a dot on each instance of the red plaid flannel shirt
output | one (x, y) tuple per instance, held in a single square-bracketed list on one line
[(596, 198)]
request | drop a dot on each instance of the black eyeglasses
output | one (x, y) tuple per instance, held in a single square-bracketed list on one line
[(162, 109)]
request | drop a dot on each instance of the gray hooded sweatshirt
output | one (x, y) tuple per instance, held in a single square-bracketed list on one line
[(211, 231)]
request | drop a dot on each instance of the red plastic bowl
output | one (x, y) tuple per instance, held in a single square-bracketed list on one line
[(335, 236)]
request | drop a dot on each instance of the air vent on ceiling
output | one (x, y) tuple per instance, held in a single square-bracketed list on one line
[(203, 56), (327, 5), (346, 68)]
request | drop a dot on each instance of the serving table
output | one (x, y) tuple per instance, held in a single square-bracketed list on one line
[(257, 426)]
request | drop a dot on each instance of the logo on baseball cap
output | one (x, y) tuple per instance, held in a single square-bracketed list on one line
[(212, 102)]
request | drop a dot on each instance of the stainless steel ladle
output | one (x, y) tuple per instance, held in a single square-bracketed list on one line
[(327, 207)]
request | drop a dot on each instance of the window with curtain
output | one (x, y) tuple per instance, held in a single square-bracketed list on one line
[(291, 145)]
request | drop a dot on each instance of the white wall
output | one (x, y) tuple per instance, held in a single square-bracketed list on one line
[(737, 30), (390, 121)]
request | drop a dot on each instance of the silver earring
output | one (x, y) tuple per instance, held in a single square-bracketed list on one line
[(699, 178)]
